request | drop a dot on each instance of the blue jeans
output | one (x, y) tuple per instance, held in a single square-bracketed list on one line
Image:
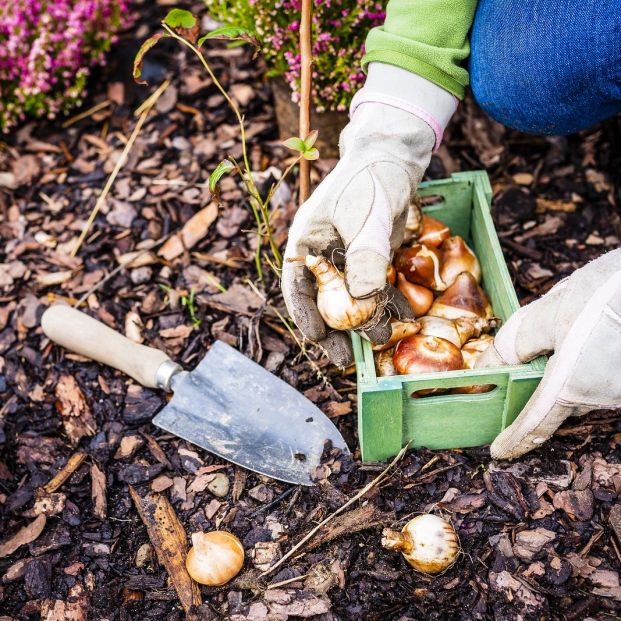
[(547, 66)]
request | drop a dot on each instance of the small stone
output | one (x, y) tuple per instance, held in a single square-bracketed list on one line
[(144, 555), (219, 485)]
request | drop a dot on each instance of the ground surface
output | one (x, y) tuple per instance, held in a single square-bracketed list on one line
[(538, 536)]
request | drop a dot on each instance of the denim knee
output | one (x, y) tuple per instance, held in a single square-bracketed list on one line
[(547, 66)]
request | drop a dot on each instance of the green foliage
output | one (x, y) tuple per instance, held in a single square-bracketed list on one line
[(180, 18), (221, 169)]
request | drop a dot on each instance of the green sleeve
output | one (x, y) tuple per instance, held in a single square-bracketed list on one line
[(427, 37)]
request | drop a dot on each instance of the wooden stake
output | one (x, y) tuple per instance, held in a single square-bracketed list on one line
[(305, 92)]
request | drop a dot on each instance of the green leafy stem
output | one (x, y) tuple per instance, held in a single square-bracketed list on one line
[(183, 26)]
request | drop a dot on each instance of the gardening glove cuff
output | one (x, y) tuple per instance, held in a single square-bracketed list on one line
[(357, 217), (580, 321), (398, 88)]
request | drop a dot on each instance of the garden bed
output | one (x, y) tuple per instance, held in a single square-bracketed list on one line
[(540, 537)]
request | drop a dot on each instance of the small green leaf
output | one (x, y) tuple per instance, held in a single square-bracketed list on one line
[(221, 169), (311, 154), (295, 144), (144, 48), (180, 18), (311, 139), (232, 33)]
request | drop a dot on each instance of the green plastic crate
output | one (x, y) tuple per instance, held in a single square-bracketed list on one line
[(388, 417)]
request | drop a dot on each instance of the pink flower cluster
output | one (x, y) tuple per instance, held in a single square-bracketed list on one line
[(340, 28), (47, 50)]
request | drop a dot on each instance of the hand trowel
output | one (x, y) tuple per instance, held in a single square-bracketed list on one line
[(228, 404)]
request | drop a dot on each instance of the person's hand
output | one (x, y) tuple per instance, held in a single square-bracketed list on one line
[(357, 215), (579, 320)]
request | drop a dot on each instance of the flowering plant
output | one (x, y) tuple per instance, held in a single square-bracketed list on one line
[(47, 49), (339, 30)]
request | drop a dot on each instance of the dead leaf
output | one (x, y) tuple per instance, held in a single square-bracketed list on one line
[(98, 492), (78, 420), (26, 534), (169, 541), (230, 221), (192, 232), (238, 299), (50, 279), (545, 204), (178, 332)]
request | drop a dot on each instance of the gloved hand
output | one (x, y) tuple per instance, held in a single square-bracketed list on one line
[(579, 320), (358, 213)]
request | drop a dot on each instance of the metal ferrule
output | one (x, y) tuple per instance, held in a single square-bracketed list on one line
[(165, 373)]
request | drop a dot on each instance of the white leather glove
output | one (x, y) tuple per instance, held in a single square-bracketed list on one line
[(357, 215), (579, 320)]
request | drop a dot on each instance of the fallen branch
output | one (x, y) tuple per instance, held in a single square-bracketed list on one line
[(376, 481)]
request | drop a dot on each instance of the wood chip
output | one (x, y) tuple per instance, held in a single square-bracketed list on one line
[(78, 419), (192, 232), (23, 536), (169, 541), (73, 463), (98, 491)]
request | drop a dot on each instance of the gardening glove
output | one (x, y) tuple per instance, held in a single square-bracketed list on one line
[(579, 320), (357, 215)]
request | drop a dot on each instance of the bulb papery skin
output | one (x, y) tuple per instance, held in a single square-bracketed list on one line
[(464, 298), (419, 297), (400, 330), (433, 232), (383, 363), (338, 309), (474, 348), (414, 222), (428, 543), (421, 266), (426, 354), (215, 557), (457, 257), (391, 274)]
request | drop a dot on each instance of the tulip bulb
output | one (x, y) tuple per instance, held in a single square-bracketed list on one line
[(474, 348), (391, 274), (428, 543), (400, 330), (426, 354), (419, 297), (457, 257), (384, 364), (433, 232), (457, 331), (421, 265), (464, 298), (414, 222), (338, 309), (471, 352), (215, 557)]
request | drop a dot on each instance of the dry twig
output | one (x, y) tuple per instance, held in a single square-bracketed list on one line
[(376, 481)]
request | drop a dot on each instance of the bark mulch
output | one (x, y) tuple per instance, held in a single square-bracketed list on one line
[(82, 468)]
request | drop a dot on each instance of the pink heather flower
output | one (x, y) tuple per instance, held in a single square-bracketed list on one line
[(47, 50), (339, 30)]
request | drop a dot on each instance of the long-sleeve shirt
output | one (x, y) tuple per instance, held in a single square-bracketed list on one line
[(426, 37)]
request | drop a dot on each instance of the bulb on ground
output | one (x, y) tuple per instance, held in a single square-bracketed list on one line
[(421, 266), (428, 543), (338, 309), (464, 298), (433, 232), (399, 331), (215, 557), (419, 297), (391, 274), (457, 258)]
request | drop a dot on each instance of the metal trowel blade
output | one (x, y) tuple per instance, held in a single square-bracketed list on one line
[(234, 408)]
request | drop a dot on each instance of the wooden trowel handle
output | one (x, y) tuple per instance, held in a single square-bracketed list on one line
[(88, 337)]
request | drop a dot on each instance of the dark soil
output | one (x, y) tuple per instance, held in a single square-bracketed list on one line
[(538, 536)]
